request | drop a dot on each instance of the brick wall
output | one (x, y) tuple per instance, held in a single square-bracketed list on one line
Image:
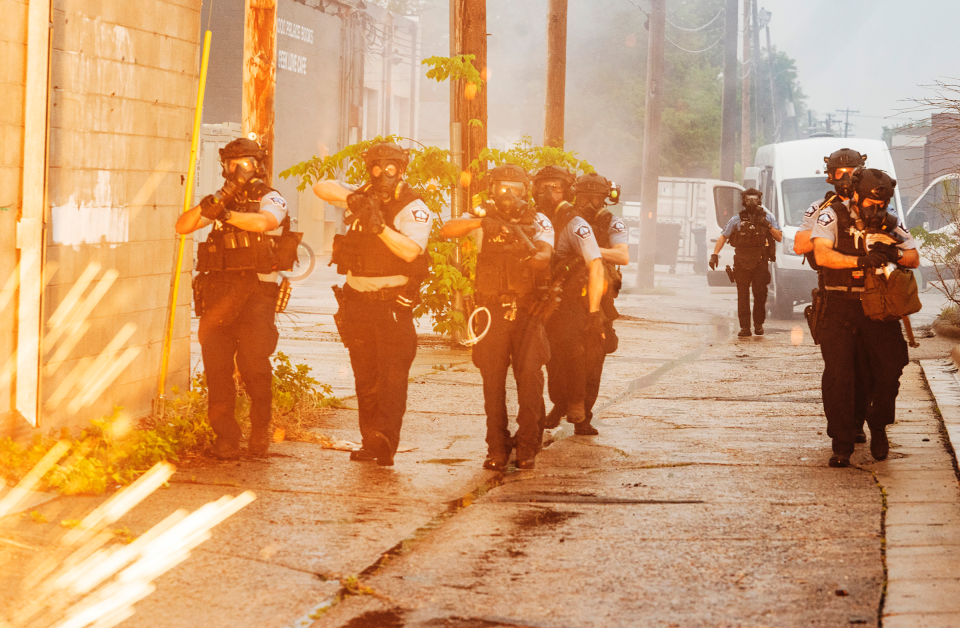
[(124, 81)]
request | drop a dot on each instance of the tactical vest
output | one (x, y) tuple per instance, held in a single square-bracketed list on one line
[(231, 249), (364, 254), (750, 241), (500, 271), (601, 228), (848, 244)]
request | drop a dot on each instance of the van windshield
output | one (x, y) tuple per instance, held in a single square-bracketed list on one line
[(798, 194)]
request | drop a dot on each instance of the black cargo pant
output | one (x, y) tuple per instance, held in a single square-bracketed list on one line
[(522, 344), (382, 341), (574, 353), (757, 277), (237, 328), (848, 336)]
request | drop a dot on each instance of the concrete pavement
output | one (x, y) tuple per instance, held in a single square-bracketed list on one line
[(706, 500)]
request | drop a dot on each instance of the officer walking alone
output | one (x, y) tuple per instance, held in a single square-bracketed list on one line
[(383, 255), (593, 194), (751, 233), (840, 245), (576, 328), (236, 294), (512, 263)]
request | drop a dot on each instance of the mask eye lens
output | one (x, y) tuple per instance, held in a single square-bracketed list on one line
[(391, 170), (510, 187), (376, 171)]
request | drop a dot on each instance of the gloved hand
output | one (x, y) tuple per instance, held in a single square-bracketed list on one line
[(890, 251), (595, 324), (211, 207), (873, 259), (358, 206), (491, 226), (714, 261)]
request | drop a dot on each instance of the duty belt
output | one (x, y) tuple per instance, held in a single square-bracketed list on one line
[(844, 292), (384, 294), (844, 288)]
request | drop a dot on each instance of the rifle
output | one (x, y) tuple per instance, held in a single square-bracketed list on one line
[(521, 236), (564, 275)]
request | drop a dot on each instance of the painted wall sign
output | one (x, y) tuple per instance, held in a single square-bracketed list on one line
[(294, 30), (292, 62)]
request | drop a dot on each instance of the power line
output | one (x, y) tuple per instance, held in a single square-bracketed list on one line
[(693, 30), (695, 51)]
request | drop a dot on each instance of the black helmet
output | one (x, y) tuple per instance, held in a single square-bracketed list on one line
[(592, 183), (751, 192), (386, 151), (242, 147), (843, 158), (873, 184), (554, 173), (508, 172)]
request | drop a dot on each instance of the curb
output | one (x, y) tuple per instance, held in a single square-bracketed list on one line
[(942, 379)]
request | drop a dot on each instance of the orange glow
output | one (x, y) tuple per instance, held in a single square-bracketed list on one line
[(470, 91), (485, 74), (465, 179)]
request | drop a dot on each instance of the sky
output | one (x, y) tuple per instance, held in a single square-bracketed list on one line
[(867, 55)]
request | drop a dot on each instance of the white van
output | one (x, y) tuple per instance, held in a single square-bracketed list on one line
[(791, 176), (935, 210)]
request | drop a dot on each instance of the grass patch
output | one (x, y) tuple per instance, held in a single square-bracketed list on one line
[(116, 450)]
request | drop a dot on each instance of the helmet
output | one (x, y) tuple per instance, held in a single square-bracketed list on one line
[(384, 151), (508, 172), (547, 199), (242, 147), (843, 158), (592, 183), (593, 193), (509, 186), (874, 184), (751, 193), (235, 166)]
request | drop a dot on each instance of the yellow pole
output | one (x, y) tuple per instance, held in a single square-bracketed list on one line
[(187, 204)]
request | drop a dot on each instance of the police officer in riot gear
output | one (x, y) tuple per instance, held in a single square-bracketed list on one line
[(839, 166), (512, 264), (576, 328), (593, 194), (383, 255), (841, 249), (236, 293), (752, 233)]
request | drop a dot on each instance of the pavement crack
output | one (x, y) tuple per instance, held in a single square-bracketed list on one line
[(319, 574)]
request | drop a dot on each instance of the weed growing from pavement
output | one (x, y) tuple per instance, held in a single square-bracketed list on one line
[(116, 450)]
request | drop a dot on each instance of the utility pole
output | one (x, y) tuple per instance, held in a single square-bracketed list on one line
[(745, 143), (846, 120), (260, 75), (473, 38), (650, 175), (829, 123), (556, 73), (761, 112), (764, 22), (728, 123)]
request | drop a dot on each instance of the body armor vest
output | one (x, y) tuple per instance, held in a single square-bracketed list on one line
[(364, 254), (231, 249), (750, 242), (848, 244), (601, 228), (500, 271)]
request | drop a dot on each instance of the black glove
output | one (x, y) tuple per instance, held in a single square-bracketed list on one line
[(595, 324), (873, 259), (491, 226), (714, 261), (890, 251), (358, 206)]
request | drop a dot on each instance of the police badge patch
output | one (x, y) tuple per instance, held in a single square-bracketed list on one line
[(277, 200), (811, 211), (826, 217), (583, 232), (617, 226), (420, 215), (544, 223)]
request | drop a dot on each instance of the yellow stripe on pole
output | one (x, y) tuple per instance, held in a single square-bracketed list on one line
[(187, 204)]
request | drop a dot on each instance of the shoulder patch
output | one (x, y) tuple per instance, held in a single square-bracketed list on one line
[(276, 199), (544, 223), (583, 232), (617, 226), (827, 216), (420, 214), (811, 210)]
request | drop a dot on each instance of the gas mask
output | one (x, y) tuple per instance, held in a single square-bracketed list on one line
[(549, 195), (843, 184), (240, 170), (385, 177), (508, 197), (589, 204)]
